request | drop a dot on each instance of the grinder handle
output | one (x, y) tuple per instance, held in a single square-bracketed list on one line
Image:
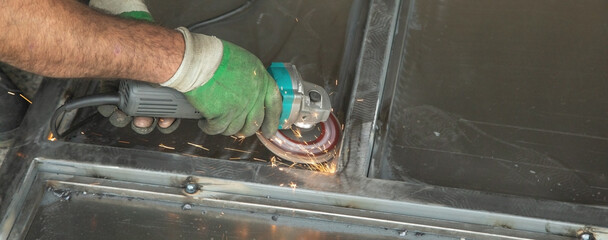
[(145, 100)]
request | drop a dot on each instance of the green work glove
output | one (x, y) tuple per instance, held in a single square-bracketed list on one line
[(229, 86)]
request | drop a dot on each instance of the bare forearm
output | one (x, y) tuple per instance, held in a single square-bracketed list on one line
[(64, 38)]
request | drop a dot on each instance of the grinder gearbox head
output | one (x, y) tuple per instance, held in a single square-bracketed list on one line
[(308, 131), (304, 104)]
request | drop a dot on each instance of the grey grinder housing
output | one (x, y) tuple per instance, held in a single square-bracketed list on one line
[(143, 99)]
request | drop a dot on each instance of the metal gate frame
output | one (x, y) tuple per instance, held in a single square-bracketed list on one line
[(347, 196)]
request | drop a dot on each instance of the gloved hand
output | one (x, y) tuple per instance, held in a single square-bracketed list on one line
[(228, 85)]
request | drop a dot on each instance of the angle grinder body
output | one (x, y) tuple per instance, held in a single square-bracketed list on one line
[(304, 104), (308, 131)]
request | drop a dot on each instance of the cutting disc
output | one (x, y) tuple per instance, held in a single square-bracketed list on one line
[(315, 145)]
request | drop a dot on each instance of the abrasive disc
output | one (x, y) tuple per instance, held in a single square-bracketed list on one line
[(315, 145)]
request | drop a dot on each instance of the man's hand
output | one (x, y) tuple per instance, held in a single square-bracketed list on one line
[(66, 39), (229, 86)]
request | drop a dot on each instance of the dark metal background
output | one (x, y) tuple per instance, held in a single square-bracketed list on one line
[(506, 97)]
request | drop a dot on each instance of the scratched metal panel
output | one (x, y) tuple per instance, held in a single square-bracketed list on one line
[(500, 96), (92, 216)]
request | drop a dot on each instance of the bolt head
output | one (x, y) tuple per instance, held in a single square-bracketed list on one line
[(191, 188), (586, 236)]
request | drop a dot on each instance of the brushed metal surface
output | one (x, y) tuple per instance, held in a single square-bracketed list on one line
[(66, 201), (93, 216), (504, 97)]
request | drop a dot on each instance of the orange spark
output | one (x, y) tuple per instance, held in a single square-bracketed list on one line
[(166, 147), (332, 168), (25, 98), (237, 150), (273, 161), (198, 146), (323, 167), (297, 132)]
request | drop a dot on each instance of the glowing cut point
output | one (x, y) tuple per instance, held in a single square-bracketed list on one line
[(51, 137)]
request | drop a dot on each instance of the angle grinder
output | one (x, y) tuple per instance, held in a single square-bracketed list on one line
[(308, 130)]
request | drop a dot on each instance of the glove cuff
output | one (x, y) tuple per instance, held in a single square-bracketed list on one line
[(202, 58), (116, 7), (131, 9)]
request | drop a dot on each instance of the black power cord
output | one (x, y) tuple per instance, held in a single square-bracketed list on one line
[(89, 101), (221, 17)]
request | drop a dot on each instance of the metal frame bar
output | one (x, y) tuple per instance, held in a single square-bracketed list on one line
[(368, 84), (229, 194)]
